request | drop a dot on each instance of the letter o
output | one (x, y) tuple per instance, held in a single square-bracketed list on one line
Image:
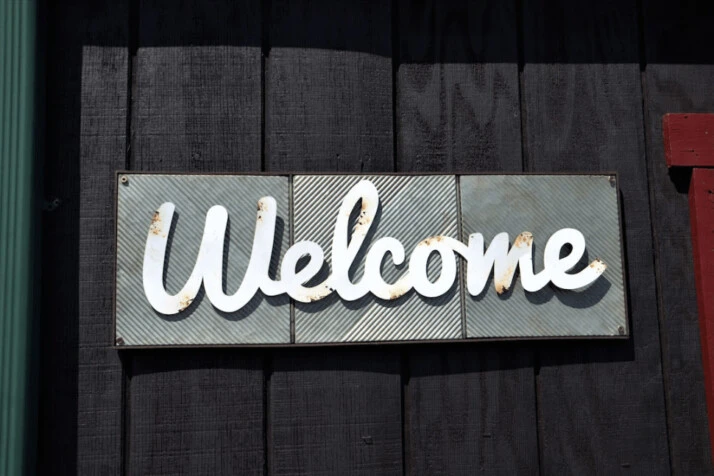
[(418, 267)]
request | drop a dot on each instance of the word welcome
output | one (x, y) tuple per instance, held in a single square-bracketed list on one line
[(499, 257)]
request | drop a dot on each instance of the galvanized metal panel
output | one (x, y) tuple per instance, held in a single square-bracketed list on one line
[(542, 205), (412, 208), (264, 320)]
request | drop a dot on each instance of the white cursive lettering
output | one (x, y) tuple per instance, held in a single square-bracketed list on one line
[(497, 257)]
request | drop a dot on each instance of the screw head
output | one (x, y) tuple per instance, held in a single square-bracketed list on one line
[(124, 179)]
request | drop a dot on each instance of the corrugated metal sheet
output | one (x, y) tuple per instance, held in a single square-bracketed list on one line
[(542, 205), (263, 320), (411, 208)]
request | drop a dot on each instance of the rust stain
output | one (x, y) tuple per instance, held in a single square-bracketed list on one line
[(524, 239), (502, 283), (398, 289), (397, 293), (362, 225), (318, 294), (262, 207), (185, 302), (598, 265), (431, 240), (156, 224), (363, 219)]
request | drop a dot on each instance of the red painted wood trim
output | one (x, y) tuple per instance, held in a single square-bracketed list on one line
[(701, 210), (688, 140)]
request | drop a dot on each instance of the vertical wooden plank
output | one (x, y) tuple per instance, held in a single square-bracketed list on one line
[(329, 108), (197, 99), (196, 106), (335, 411), (196, 411), (102, 151), (329, 87), (600, 404), (81, 384), (458, 104), (470, 408), (678, 78)]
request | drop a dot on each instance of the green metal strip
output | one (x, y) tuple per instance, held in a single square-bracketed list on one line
[(18, 220)]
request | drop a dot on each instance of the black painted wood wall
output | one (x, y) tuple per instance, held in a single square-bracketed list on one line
[(360, 86)]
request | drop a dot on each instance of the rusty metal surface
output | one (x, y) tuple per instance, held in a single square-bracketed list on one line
[(541, 205), (411, 209), (264, 320)]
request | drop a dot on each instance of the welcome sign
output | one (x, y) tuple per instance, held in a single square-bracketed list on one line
[(318, 259)]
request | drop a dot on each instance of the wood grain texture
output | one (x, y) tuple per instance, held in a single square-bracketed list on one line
[(81, 389), (328, 96), (688, 140), (196, 106), (336, 411), (472, 408), (678, 78), (701, 209), (328, 87), (600, 403), (102, 151), (457, 87), (197, 412), (197, 103)]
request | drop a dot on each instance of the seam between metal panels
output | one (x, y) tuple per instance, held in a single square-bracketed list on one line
[(291, 240), (462, 263)]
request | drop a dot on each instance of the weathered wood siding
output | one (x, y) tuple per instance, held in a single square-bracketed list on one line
[(359, 86)]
